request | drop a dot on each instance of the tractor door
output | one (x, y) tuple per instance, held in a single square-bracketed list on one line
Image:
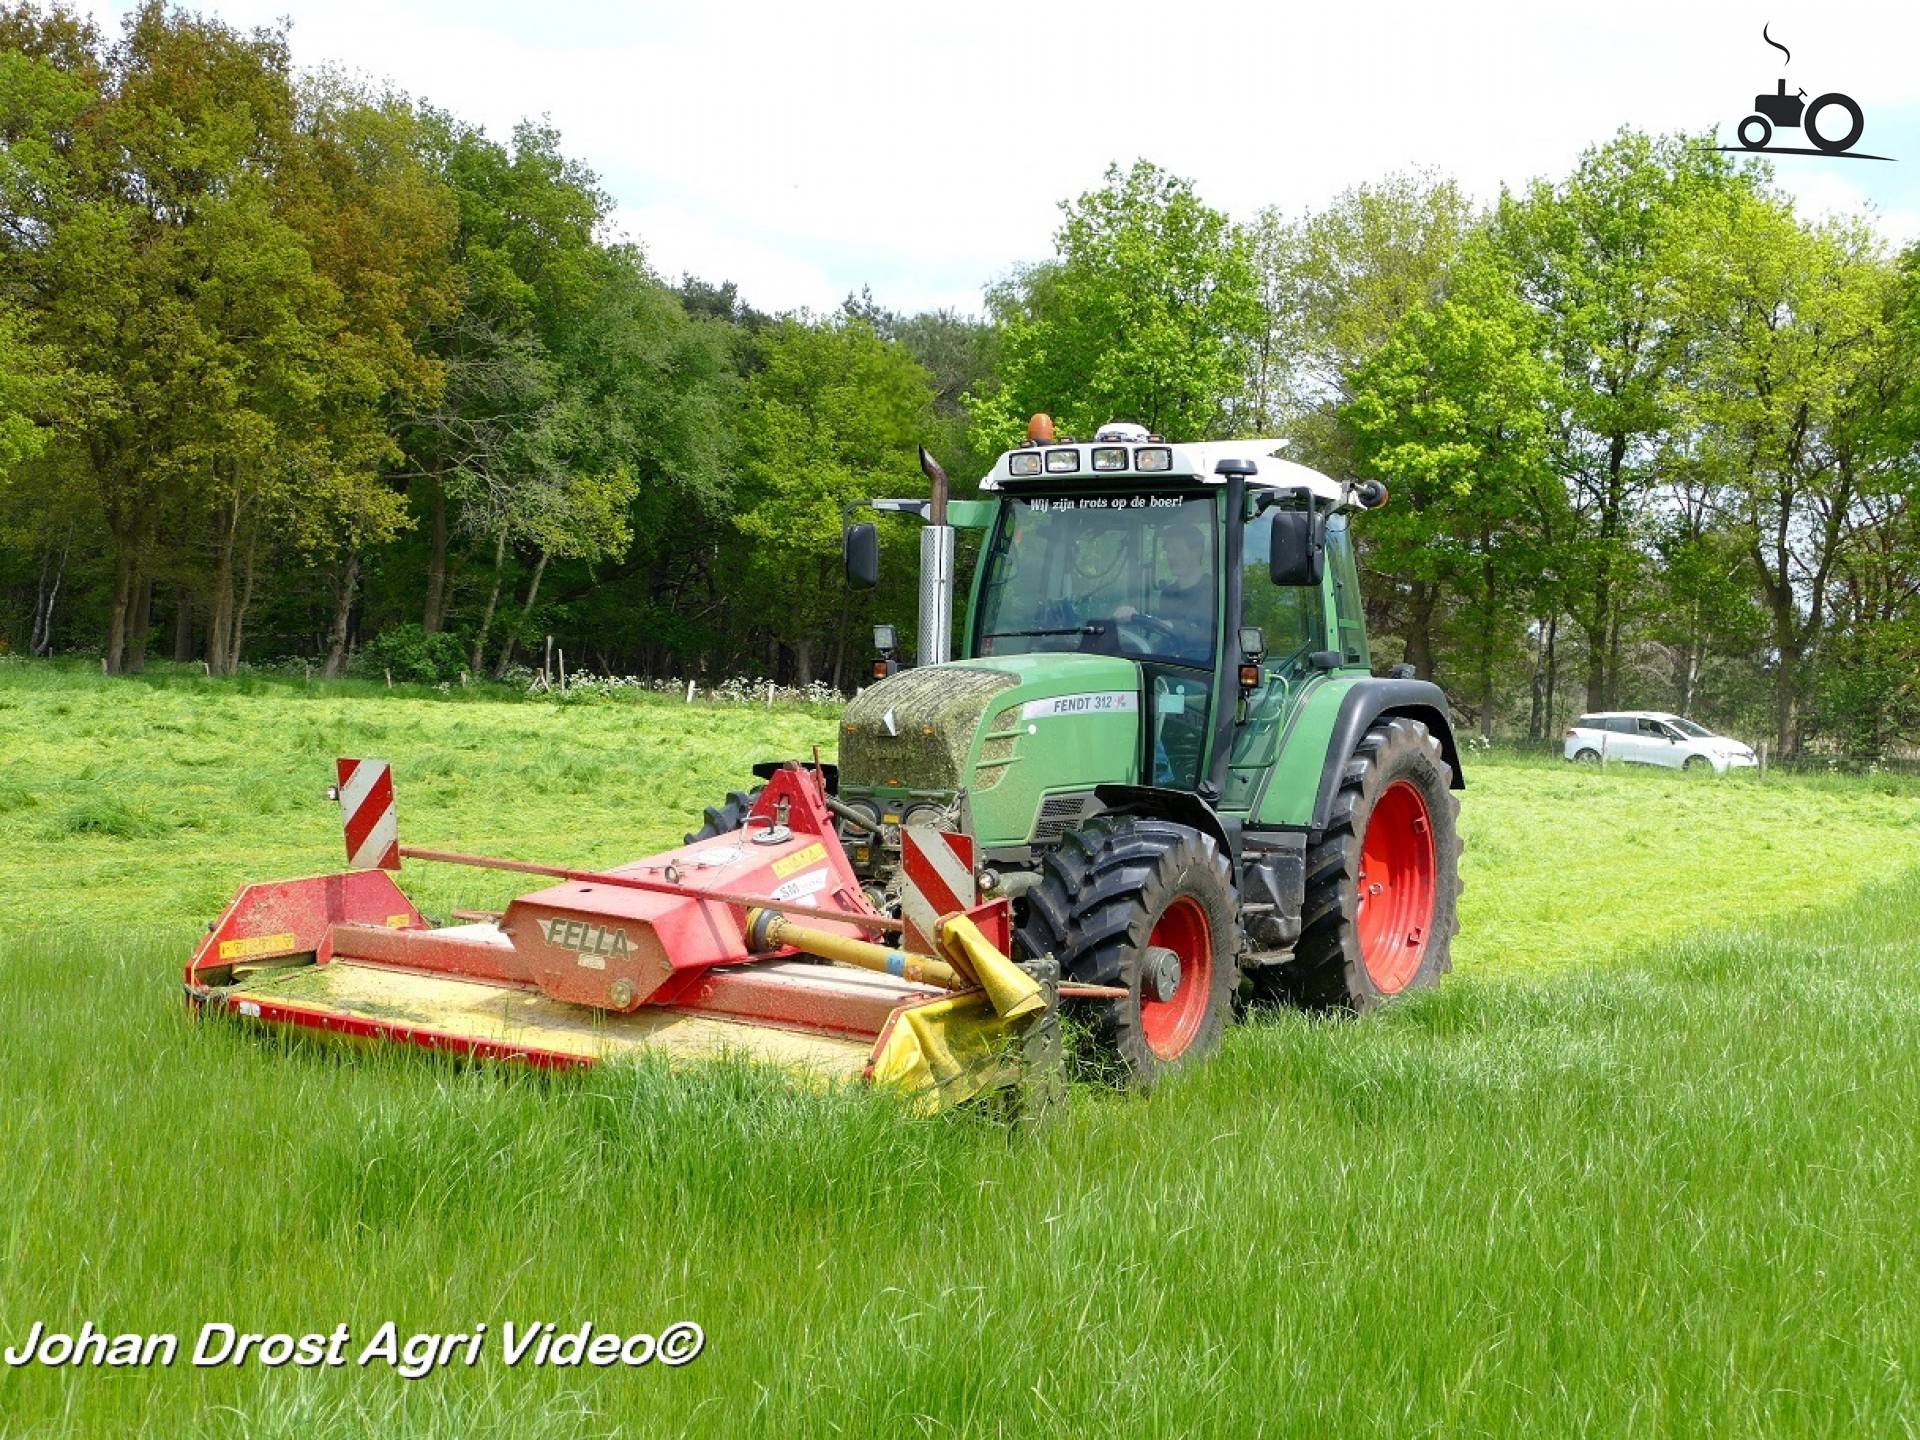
[(1293, 620)]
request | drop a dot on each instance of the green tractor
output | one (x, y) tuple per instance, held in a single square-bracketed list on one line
[(1162, 732)]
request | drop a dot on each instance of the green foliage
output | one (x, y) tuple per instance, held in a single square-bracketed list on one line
[(287, 361), (833, 415), (1451, 411), (1146, 315), (406, 652)]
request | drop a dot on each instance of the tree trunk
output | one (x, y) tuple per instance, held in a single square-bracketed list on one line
[(526, 618), (220, 620), (803, 663), (1536, 687), (839, 665), (1686, 665), (1785, 699), (53, 570), (1420, 628), (1603, 622), (183, 627), (125, 568), (238, 642), (342, 613), (435, 615), (139, 625), (1613, 660), (493, 601), (1553, 662), (1596, 637)]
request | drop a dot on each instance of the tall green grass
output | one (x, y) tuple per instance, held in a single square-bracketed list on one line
[(1668, 1195), (1646, 1164)]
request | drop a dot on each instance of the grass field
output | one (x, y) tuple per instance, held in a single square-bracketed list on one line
[(1647, 1164)]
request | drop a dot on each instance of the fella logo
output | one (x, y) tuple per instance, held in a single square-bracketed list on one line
[(1832, 122)]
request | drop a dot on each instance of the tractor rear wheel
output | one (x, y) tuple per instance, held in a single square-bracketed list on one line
[(730, 814), (1383, 882), (1149, 905)]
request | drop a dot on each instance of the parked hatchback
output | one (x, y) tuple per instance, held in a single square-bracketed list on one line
[(1653, 737)]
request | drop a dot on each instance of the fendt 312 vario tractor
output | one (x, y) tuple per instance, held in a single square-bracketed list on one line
[(1162, 733), (1159, 776)]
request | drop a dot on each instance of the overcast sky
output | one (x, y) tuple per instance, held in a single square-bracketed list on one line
[(806, 150)]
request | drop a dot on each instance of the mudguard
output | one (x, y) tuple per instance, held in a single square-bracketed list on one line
[(1367, 701), (1183, 807)]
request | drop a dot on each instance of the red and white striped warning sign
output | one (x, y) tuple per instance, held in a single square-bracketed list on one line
[(366, 804), (937, 868)]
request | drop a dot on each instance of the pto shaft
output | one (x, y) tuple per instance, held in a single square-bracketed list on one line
[(768, 930)]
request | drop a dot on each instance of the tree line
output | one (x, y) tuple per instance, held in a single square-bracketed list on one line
[(291, 367)]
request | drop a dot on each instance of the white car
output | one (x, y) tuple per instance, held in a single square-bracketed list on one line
[(1653, 737)]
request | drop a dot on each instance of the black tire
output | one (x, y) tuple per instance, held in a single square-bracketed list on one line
[(1104, 891), (1766, 132), (1694, 764), (1329, 970), (729, 814), (1586, 757), (1856, 122)]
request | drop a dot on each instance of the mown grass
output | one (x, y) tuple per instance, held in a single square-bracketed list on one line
[(126, 804), (1647, 1164)]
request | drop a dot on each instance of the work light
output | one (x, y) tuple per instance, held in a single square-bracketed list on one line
[(1153, 457), (1110, 457), (1062, 462), (1024, 462)]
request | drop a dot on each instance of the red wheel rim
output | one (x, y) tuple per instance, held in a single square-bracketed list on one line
[(1170, 1025), (1394, 916)]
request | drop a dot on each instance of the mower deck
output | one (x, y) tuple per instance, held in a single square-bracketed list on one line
[(476, 1017), (612, 965)]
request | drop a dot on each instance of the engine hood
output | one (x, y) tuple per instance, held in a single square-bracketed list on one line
[(1003, 728)]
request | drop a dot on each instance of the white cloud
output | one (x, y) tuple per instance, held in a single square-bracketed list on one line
[(804, 151)]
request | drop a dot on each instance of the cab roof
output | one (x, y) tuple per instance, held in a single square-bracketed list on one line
[(1076, 466)]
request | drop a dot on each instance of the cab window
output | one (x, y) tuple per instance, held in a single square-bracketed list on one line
[(1289, 616), (1349, 610)]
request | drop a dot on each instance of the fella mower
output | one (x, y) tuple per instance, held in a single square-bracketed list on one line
[(1158, 782)]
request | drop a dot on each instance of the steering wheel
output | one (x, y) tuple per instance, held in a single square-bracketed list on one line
[(1139, 642), (1150, 622)]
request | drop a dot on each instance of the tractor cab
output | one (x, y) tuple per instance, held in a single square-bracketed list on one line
[(1122, 546)]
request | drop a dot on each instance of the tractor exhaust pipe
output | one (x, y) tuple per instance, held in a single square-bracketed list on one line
[(936, 571)]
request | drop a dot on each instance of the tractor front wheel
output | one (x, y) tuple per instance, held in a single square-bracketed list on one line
[(1148, 905), (1382, 883)]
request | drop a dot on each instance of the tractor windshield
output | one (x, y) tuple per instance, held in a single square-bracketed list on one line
[(1132, 575)]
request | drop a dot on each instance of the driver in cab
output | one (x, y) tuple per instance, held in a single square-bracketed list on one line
[(1183, 613)]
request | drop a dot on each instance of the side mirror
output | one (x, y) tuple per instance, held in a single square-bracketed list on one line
[(860, 551), (1299, 548)]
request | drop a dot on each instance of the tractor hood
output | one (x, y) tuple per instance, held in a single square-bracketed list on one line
[(1007, 730)]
